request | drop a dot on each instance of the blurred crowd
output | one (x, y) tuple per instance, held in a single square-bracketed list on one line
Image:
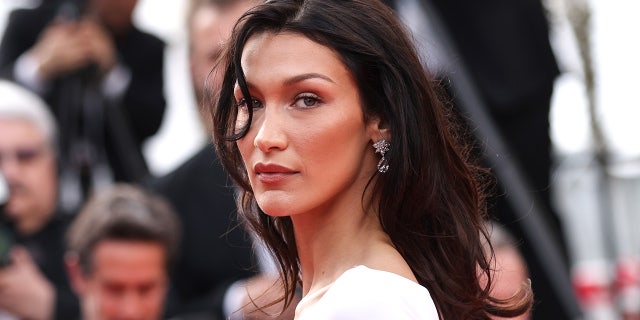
[(90, 230)]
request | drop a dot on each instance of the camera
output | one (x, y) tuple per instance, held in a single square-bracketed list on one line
[(71, 10)]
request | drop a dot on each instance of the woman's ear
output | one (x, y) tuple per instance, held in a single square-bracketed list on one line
[(378, 129)]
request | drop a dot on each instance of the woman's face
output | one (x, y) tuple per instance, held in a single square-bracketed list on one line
[(308, 148)]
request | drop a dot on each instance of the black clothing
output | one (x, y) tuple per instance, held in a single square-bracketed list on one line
[(215, 251), (505, 45), (47, 249), (116, 126)]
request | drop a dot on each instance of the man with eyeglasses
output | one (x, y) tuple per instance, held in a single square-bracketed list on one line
[(33, 281)]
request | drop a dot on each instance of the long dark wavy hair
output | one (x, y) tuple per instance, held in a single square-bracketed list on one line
[(430, 201)]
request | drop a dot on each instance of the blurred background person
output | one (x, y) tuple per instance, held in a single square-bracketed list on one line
[(103, 79), (510, 268), (216, 261), (33, 283), (120, 248)]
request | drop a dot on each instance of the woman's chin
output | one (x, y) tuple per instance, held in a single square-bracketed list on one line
[(275, 209), (275, 204)]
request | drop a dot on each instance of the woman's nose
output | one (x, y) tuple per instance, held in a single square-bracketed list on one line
[(271, 133)]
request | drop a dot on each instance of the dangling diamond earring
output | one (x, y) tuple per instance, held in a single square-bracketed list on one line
[(382, 146)]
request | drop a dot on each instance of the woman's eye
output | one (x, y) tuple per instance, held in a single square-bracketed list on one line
[(242, 118), (257, 104), (242, 104), (307, 101)]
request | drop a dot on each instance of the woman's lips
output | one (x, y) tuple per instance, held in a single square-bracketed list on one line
[(272, 173)]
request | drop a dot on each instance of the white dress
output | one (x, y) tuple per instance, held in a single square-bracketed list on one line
[(364, 293)]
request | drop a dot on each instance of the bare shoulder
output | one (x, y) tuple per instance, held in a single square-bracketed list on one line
[(386, 258)]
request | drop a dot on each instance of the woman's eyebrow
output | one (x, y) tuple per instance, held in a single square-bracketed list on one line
[(292, 80), (306, 76)]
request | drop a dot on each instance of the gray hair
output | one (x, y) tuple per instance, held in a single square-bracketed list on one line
[(17, 102)]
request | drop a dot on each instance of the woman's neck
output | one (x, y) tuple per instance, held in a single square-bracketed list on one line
[(331, 242)]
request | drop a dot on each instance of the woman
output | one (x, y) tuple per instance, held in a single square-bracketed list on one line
[(348, 167)]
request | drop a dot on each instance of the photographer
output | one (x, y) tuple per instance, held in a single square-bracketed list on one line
[(33, 285), (103, 79)]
